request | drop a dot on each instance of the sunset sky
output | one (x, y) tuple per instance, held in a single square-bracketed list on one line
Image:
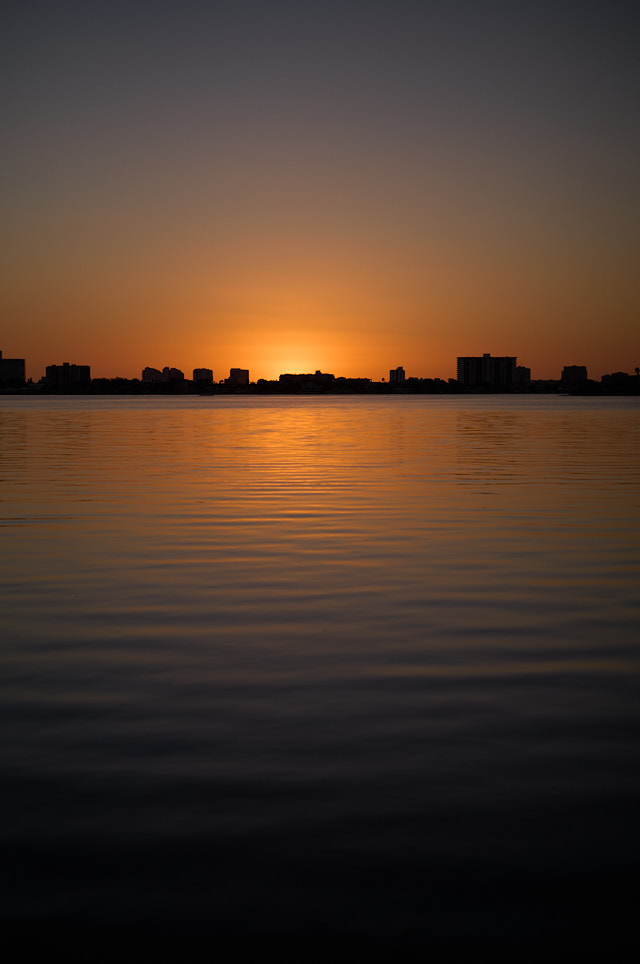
[(291, 186)]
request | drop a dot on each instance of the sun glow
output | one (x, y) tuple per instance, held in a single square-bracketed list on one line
[(291, 354)]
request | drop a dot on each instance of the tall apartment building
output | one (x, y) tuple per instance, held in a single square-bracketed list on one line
[(574, 375), (396, 375), (203, 375), (166, 375), (172, 374), (238, 377), (487, 370), (11, 372), (66, 377)]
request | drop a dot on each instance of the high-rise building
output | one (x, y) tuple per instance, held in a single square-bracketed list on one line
[(166, 375), (487, 370), (172, 375), (238, 377), (396, 375), (11, 372), (66, 377), (203, 375)]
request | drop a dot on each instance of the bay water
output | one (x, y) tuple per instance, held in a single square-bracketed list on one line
[(340, 668)]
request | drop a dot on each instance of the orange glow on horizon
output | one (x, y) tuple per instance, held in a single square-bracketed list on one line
[(350, 199)]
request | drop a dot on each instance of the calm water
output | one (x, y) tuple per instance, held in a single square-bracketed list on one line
[(332, 668)]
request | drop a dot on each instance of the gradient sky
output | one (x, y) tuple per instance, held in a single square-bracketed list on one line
[(346, 186)]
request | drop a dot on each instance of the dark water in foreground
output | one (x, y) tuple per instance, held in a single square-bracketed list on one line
[(321, 668)]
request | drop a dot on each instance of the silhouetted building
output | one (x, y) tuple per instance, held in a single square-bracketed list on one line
[(621, 383), (11, 372), (574, 375), (307, 382), (522, 375), (172, 375), (66, 377), (203, 375), (396, 375), (487, 371), (238, 377), (166, 375)]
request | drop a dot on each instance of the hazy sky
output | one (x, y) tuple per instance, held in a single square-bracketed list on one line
[(347, 186)]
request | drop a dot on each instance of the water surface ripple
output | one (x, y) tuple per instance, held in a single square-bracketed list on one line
[(349, 668)]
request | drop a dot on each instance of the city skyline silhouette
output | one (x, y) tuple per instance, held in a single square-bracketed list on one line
[(474, 373)]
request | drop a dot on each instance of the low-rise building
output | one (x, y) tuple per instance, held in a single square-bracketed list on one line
[(522, 376), (307, 381)]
